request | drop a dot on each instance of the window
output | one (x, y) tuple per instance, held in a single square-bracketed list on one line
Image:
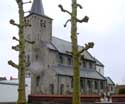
[(69, 61), (83, 61), (37, 80), (82, 58), (36, 56), (84, 64), (101, 84), (111, 88), (89, 84), (52, 88), (81, 83), (71, 82), (96, 84), (61, 88), (61, 59), (90, 65), (42, 23), (27, 60), (27, 21)]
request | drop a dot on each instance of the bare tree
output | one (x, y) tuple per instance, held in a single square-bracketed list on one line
[(76, 53), (21, 67)]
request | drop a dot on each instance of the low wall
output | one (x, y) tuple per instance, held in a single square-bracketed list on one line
[(112, 103), (67, 99), (61, 99), (7, 102), (118, 98)]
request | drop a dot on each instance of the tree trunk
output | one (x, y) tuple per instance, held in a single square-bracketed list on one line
[(22, 67), (76, 61)]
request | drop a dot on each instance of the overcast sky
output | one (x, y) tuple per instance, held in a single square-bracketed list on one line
[(106, 28)]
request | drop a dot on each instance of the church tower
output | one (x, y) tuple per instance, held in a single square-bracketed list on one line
[(40, 31), (41, 25)]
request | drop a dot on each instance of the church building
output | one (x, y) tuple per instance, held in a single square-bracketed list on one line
[(49, 62)]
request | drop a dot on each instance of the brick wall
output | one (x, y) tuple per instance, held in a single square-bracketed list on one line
[(61, 99), (67, 99), (118, 98), (7, 102)]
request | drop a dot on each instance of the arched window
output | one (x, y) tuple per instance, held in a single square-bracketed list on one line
[(27, 60), (51, 88), (84, 64), (37, 80), (96, 84), (36, 57), (101, 84), (69, 61), (90, 65), (61, 88), (61, 59)]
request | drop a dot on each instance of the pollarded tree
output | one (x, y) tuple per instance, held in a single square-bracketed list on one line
[(75, 52), (21, 67)]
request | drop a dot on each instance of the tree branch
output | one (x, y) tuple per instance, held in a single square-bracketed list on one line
[(67, 22), (10, 62), (13, 23), (19, 1), (63, 10), (16, 48), (79, 6), (30, 42), (27, 11), (69, 52), (14, 38), (85, 19), (87, 46)]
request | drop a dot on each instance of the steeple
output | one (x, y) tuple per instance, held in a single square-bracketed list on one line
[(37, 7)]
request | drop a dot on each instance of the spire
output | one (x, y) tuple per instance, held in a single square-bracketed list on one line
[(37, 7)]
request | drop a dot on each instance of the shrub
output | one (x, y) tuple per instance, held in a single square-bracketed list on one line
[(121, 91)]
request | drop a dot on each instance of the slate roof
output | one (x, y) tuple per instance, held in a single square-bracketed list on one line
[(9, 82), (109, 81), (2, 78), (64, 47), (14, 82), (98, 62), (84, 73), (37, 7)]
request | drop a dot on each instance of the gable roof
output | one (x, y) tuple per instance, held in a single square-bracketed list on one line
[(64, 47), (84, 73), (109, 81)]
